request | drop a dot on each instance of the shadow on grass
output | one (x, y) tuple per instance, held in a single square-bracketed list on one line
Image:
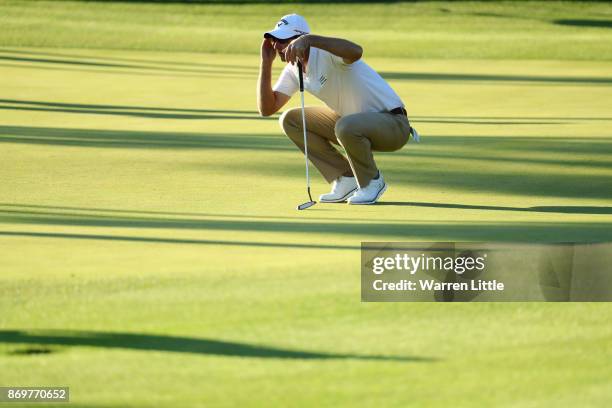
[(85, 210), (453, 230), (66, 62), (129, 107), (135, 111), (533, 183), (565, 152), (540, 209), (530, 166), (142, 139), (147, 342), (217, 74), (182, 113), (527, 165), (153, 66), (162, 240), (430, 76), (489, 122), (577, 167), (250, 69), (509, 119), (31, 351), (28, 58), (584, 23)]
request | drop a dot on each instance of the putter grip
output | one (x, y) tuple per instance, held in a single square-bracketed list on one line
[(299, 65)]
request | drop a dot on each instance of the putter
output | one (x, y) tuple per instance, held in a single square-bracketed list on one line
[(310, 203)]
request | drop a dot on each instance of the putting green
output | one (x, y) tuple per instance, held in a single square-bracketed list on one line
[(152, 254)]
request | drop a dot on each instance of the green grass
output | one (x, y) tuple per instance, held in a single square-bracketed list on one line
[(152, 255), (500, 30)]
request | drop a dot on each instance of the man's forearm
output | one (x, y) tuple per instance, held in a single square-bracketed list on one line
[(347, 50), (265, 95)]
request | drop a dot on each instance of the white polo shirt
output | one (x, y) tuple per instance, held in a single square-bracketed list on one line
[(345, 88)]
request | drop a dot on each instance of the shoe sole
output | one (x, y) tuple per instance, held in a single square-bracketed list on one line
[(380, 193), (340, 200)]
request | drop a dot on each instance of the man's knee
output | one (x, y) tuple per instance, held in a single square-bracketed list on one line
[(347, 128), (290, 120)]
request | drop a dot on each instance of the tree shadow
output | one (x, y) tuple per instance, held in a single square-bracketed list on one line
[(134, 111), (142, 139), (453, 230), (488, 122), (86, 210), (527, 150), (504, 120), (67, 62), (71, 60), (430, 76), (526, 183), (179, 241), (223, 74), (573, 209), (128, 107), (584, 23), (496, 15), (541, 209), (531, 166), (511, 119), (191, 345), (206, 65)]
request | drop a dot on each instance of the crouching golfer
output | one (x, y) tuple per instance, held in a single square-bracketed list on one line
[(362, 114)]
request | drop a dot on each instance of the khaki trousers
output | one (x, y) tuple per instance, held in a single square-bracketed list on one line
[(359, 134)]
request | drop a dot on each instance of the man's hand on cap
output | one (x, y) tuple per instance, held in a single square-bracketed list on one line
[(297, 50), (268, 53)]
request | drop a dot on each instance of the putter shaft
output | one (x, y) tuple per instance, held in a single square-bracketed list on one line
[(311, 202)]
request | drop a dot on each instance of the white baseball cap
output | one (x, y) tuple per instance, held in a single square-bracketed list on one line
[(289, 26)]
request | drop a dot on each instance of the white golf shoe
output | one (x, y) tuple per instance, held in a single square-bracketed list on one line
[(370, 193), (342, 188)]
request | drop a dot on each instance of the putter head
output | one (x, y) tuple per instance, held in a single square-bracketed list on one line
[(306, 205)]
